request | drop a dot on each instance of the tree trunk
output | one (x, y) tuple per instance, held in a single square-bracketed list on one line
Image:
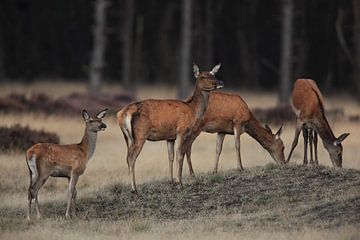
[(2, 63), (97, 57), (138, 57), (165, 47), (185, 62), (209, 33), (301, 42), (127, 50), (286, 51), (356, 32)]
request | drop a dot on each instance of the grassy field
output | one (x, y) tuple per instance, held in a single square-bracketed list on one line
[(263, 202)]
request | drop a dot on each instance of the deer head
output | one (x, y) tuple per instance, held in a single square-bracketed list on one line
[(276, 146), (95, 124), (206, 81), (336, 149)]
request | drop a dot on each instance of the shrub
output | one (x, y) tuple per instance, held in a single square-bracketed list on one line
[(67, 105), (18, 138), (276, 115)]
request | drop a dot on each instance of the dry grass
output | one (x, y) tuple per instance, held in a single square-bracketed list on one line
[(108, 167), (200, 228)]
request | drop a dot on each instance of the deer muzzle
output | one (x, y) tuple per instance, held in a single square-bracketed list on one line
[(219, 84), (103, 127)]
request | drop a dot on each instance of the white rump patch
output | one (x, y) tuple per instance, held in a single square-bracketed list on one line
[(128, 131), (296, 111), (32, 165)]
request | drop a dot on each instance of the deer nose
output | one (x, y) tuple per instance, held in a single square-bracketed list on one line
[(103, 126), (219, 84)]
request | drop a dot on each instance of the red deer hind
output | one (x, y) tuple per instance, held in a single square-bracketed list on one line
[(169, 120), (69, 161), (229, 114), (308, 105)]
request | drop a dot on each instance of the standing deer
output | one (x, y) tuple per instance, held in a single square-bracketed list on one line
[(169, 120), (69, 161), (229, 114), (308, 105)]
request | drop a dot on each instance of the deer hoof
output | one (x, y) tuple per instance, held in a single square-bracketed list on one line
[(135, 194)]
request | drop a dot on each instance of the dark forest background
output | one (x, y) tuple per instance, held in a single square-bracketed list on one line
[(47, 39)]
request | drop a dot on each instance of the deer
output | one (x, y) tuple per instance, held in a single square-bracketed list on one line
[(308, 105), (67, 161), (228, 113), (170, 120)]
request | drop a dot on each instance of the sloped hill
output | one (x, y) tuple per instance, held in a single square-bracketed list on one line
[(289, 197)]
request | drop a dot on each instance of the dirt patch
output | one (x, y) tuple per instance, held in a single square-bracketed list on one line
[(290, 197)]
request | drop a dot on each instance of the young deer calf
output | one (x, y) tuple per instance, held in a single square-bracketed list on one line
[(308, 105), (170, 120), (69, 161)]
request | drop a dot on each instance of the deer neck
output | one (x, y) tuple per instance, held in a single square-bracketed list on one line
[(88, 143), (199, 102), (322, 127), (259, 133)]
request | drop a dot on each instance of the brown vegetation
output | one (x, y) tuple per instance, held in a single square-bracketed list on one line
[(18, 138), (71, 104)]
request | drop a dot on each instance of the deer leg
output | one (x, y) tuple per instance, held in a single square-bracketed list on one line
[(180, 161), (33, 194), (133, 153), (311, 146), (315, 147), (180, 152), (73, 201), (306, 138), (237, 146), (128, 148), (170, 148), (295, 141), (73, 180), (29, 205), (126, 139), (219, 144), (188, 159), (30, 198)]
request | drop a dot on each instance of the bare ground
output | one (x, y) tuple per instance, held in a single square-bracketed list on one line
[(271, 197)]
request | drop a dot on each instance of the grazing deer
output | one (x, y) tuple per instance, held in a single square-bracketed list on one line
[(308, 105), (229, 114), (69, 161), (169, 120)]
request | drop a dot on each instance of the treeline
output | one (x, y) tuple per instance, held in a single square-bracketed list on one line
[(55, 39)]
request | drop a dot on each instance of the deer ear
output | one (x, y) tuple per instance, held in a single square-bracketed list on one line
[(196, 70), (102, 113), (215, 69), (278, 133), (268, 129), (86, 115), (341, 138)]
